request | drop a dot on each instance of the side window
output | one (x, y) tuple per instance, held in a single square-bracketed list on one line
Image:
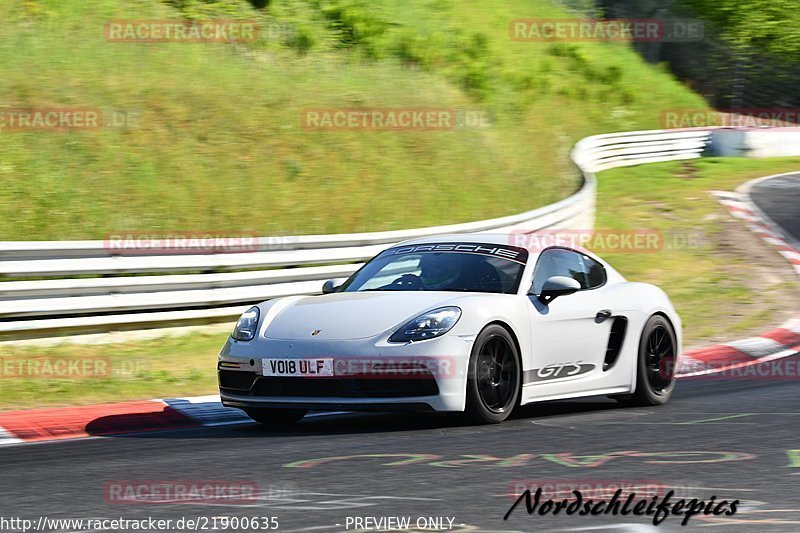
[(558, 262), (595, 273), (562, 262)]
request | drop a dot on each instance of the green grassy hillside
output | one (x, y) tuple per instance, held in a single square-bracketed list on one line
[(217, 142)]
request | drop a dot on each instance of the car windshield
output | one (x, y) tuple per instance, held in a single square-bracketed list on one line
[(461, 267)]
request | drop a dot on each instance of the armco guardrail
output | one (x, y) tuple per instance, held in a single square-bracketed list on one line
[(220, 290)]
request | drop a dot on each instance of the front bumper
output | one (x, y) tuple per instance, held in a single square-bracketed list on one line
[(243, 385)]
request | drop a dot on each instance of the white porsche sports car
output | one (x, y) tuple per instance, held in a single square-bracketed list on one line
[(455, 323)]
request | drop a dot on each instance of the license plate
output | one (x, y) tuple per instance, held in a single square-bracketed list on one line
[(297, 367)]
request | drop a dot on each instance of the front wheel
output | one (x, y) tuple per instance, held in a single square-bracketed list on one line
[(494, 377), (276, 417), (655, 367)]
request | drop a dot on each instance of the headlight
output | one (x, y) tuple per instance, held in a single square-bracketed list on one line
[(245, 328), (427, 326)]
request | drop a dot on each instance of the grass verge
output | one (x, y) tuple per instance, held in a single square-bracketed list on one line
[(726, 282)]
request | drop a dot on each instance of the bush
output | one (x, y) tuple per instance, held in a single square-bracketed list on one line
[(356, 24)]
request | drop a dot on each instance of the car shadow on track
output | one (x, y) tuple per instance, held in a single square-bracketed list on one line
[(319, 424), (323, 424)]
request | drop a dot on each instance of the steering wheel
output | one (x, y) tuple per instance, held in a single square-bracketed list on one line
[(407, 281)]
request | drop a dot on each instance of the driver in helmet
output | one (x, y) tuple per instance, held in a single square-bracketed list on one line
[(438, 271)]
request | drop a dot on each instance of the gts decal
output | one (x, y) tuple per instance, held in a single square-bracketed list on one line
[(558, 371)]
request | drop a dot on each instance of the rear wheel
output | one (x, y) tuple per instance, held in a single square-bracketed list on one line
[(494, 377), (276, 417), (655, 368)]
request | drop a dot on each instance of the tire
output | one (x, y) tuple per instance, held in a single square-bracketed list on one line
[(655, 365), (276, 417), (494, 377)]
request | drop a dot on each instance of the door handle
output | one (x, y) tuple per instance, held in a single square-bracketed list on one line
[(601, 316)]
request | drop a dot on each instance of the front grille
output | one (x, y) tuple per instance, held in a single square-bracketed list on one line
[(251, 384), (345, 388), (236, 380)]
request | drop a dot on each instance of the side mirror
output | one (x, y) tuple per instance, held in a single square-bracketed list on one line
[(556, 286), (332, 285)]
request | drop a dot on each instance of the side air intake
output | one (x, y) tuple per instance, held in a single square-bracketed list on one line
[(615, 340)]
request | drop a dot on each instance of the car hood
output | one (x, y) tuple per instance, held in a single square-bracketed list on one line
[(349, 315)]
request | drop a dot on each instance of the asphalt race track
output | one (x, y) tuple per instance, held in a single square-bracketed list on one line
[(733, 438), (730, 439), (780, 199)]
